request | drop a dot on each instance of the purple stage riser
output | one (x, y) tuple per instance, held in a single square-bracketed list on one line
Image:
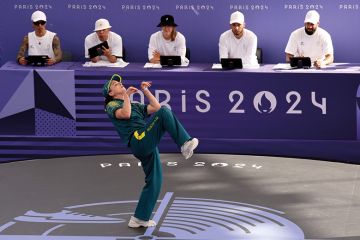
[(251, 130)]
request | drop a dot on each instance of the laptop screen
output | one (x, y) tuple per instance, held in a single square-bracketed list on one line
[(97, 49), (37, 60), (231, 63), (170, 60), (300, 62)]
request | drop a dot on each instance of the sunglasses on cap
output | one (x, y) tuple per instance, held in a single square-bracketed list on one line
[(40, 22)]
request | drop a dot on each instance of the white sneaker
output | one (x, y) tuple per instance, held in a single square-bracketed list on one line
[(135, 223), (188, 148)]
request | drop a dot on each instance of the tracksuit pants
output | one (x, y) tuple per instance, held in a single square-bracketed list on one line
[(143, 145)]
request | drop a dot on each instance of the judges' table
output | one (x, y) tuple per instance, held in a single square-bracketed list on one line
[(306, 113)]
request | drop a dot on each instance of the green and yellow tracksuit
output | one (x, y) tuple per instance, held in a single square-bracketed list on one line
[(143, 137)]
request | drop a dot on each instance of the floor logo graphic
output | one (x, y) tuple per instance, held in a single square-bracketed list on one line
[(177, 217)]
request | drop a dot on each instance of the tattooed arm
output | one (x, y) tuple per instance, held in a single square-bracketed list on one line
[(23, 48), (57, 51)]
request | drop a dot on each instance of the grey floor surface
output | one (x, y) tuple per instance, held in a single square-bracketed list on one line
[(92, 197)]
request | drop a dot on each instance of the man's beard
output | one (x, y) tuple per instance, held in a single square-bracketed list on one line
[(311, 32)]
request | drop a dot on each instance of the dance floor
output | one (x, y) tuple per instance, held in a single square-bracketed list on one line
[(208, 197)]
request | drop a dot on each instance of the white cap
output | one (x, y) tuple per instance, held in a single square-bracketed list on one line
[(101, 24), (312, 16), (237, 17), (38, 16)]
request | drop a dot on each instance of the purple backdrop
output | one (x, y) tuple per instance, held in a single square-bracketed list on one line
[(201, 22)]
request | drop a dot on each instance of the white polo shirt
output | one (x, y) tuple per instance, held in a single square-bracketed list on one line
[(244, 48), (315, 46), (114, 41), (167, 47), (41, 45)]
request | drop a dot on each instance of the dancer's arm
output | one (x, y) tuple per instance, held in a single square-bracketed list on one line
[(125, 111), (154, 104)]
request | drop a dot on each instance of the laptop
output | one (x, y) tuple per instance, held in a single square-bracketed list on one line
[(170, 61), (231, 63), (37, 60), (97, 49), (300, 62)]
